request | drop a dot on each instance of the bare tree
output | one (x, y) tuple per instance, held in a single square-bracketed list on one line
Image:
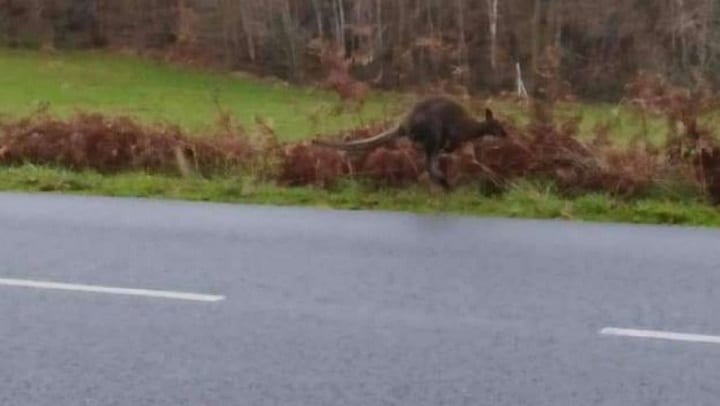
[(602, 44), (493, 21)]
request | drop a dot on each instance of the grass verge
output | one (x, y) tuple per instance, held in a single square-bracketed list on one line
[(524, 200)]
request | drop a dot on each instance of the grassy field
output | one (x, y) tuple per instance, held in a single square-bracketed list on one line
[(156, 92), (153, 92)]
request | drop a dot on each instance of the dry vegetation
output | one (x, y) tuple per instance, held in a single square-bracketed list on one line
[(532, 53), (689, 161), (469, 46)]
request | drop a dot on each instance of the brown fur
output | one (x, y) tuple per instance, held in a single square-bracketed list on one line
[(438, 124)]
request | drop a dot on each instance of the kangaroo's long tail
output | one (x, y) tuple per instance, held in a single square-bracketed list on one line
[(367, 143)]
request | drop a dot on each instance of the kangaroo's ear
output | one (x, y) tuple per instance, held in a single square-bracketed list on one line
[(489, 116)]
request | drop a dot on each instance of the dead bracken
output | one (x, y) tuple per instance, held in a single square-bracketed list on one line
[(551, 152)]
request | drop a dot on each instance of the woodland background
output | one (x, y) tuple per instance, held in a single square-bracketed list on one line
[(585, 48)]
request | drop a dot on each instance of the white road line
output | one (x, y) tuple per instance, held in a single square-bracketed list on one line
[(660, 335), (111, 290)]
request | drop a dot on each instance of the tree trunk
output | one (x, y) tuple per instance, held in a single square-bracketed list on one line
[(493, 18), (318, 18), (541, 79), (379, 24), (462, 41), (247, 29), (341, 21), (290, 36)]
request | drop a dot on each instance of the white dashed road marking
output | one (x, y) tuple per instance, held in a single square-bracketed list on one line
[(163, 294), (660, 335)]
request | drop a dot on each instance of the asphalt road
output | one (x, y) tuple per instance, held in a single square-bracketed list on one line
[(348, 308)]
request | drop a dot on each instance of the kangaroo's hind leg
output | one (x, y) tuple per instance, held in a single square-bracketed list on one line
[(432, 159), (428, 134)]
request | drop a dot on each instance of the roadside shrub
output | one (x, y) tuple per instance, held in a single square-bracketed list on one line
[(690, 159)]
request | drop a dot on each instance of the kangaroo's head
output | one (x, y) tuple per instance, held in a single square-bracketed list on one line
[(491, 126)]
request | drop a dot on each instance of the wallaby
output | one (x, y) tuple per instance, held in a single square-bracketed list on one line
[(438, 124)]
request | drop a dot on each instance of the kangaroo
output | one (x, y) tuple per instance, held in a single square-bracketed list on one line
[(438, 124)]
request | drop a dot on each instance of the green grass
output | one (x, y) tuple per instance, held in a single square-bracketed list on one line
[(155, 92), (525, 200), (623, 123)]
